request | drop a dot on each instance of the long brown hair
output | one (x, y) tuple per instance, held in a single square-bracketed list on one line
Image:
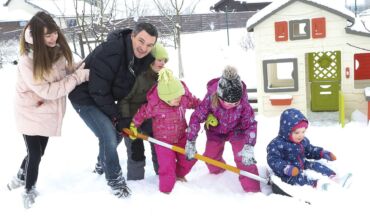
[(44, 56), (214, 100)]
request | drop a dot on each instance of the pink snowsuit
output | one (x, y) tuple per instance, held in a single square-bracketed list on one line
[(169, 125), (236, 125)]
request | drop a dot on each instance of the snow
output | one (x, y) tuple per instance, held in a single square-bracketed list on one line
[(281, 96), (69, 191), (360, 25), (279, 56), (15, 15), (147, 7), (367, 91), (256, 1), (265, 12), (65, 8)]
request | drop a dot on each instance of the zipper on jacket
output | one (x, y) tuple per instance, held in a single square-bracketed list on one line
[(131, 66)]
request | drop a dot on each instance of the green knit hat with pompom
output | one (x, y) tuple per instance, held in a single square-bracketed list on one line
[(159, 52), (169, 87)]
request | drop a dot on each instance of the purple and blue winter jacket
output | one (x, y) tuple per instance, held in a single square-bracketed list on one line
[(281, 151), (237, 122)]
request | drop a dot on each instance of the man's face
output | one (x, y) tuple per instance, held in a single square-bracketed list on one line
[(142, 44)]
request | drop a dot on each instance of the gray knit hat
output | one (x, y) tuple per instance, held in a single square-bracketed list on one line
[(230, 87)]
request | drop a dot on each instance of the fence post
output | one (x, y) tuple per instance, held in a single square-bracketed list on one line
[(227, 25), (81, 42)]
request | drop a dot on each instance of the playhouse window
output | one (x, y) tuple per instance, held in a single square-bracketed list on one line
[(299, 29), (362, 70), (280, 75)]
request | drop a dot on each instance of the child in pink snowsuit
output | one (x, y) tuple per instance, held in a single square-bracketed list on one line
[(167, 103), (227, 100)]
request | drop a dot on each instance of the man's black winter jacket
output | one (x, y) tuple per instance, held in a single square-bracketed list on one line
[(110, 78)]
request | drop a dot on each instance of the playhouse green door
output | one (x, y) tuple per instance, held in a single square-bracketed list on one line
[(324, 75)]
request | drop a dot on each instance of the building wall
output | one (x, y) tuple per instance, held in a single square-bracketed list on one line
[(336, 39)]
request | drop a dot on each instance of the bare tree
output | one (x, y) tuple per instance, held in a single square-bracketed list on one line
[(92, 20), (171, 10), (134, 8), (96, 18)]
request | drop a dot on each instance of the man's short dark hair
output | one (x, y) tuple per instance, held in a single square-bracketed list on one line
[(145, 26)]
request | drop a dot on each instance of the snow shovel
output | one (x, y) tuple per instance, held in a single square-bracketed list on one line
[(275, 189)]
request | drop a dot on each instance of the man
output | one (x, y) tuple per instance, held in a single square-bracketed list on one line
[(114, 66)]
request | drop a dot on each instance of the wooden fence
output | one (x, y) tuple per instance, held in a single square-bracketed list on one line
[(188, 23)]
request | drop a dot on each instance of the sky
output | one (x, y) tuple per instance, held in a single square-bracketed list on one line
[(66, 7), (69, 191)]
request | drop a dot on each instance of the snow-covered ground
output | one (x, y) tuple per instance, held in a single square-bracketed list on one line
[(69, 191)]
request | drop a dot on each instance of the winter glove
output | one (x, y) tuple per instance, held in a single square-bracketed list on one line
[(121, 123), (190, 150), (211, 120), (247, 154), (137, 150), (133, 130), (291, 171), (82, 74), (328, 155)]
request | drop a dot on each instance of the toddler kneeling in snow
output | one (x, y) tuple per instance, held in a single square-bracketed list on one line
[(288, 154)]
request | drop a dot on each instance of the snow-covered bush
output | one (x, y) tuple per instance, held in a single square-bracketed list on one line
[(246, 41), (8, 52)]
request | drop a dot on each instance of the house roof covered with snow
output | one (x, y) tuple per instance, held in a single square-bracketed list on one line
[(58, 8), (16, 15), (62, 8), (277, 5), (357, 27)]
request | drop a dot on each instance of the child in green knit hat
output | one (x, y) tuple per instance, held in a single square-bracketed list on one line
[(167, 103), (129, 105), (170, 89), (159, 52)]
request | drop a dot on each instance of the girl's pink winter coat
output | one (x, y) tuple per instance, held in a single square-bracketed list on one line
[(40, 106), (169, 122), (238, 122)]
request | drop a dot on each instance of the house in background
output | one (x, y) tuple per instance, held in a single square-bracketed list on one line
[(239, 6), (357, 6), (63, 12), (311, 55), (12, 22), (365, 17)]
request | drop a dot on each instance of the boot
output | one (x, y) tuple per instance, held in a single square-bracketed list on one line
[(181, 179), (98, 168), (17, 181), (119, 187), (29, 197)]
